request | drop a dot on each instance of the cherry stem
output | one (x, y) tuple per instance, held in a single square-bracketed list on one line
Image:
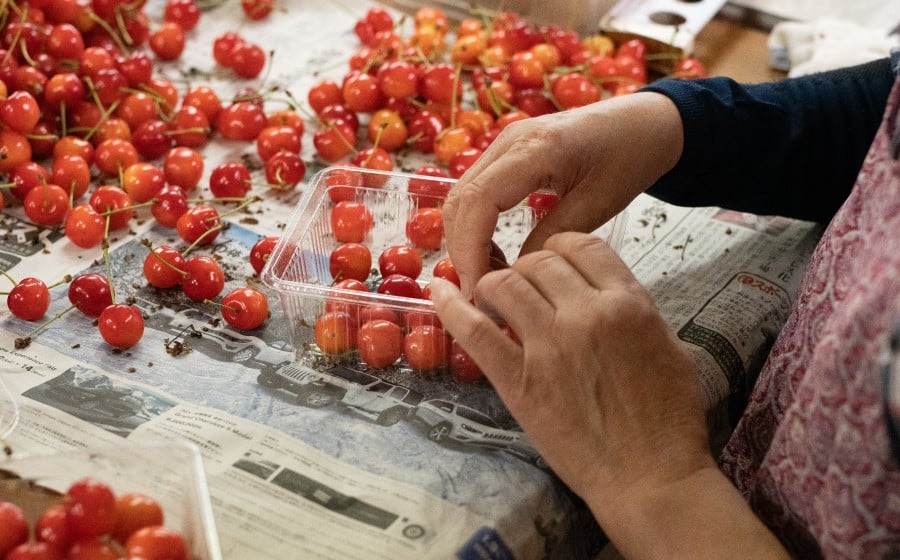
[(24, 48), (120, 21), (106, 113), (549, 91), (106, 259), (108, 213), (202, 129), (40, 328), (453, 100), (12, 45), (223, 306), (62, 117), (109, 29), (65, 280), (247, 202), (296, 105), (330, 124), (204, 235), (222, 199)]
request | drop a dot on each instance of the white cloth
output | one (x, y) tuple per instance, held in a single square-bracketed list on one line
[(825, 44)]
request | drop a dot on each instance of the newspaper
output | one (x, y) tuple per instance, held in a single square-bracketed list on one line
[(307, 474)]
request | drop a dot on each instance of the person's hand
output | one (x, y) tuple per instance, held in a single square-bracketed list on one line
[(599, 382), (609, 397), (597, 158)]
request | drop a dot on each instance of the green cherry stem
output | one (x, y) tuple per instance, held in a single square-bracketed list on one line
[(24, 341)]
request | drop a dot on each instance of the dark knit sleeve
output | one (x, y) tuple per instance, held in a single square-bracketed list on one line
[(792, 147)]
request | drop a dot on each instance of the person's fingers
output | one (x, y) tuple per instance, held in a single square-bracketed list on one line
[(491, 348), (514, 300), (593, 258), (475, 203), (555, 278)]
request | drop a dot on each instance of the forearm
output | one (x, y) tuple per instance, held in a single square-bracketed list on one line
[(701, 516), (792, 147)]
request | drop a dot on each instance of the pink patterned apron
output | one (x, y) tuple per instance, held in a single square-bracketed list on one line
[(812, 453)]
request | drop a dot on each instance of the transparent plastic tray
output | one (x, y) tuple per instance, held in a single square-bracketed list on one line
[(298, 268)]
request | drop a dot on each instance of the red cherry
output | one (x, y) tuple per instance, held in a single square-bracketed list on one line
[(444, 269), (335, 332), (135, 511), (163, 267), (380, 343), (29, 299), (241, 121), (167, 42), (400, 259), (463, 160), (143, 181), (257, 9), (204, 279), (260, 252), (284, 170), (425, 229), (156, 543), (113, 203), (205, 99), (362, 94), (90, 507), (183, 167), (169, 204), (201, 221), (223, 45), (245, 308), (71, 173), (52, 527), (399, 285), (84, 226), (462, 367), (273, 139), (33, 551), (20, 111), (335, 141), (113, 155), (323, 94), (151, 140), (350, 221), (230, 179), (350, 261), (541, 203), (26, 176), (247, 60), (183, 12), (189, 127), (15, 527), (425, 347), (121, 326), (689, 69), (429, 192), (90, 293), (46, 205), (343, 184)]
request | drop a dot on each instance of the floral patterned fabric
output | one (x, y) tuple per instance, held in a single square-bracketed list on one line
[(812, 452)]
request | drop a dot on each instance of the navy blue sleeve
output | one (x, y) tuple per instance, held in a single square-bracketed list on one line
[(792, 147)]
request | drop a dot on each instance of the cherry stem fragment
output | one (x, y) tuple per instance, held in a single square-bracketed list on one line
[(24, 341)]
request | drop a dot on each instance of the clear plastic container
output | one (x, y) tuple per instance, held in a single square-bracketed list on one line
[(170, 472), (299, 266)]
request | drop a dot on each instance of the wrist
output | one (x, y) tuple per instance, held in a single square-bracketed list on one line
[(697, 515)]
